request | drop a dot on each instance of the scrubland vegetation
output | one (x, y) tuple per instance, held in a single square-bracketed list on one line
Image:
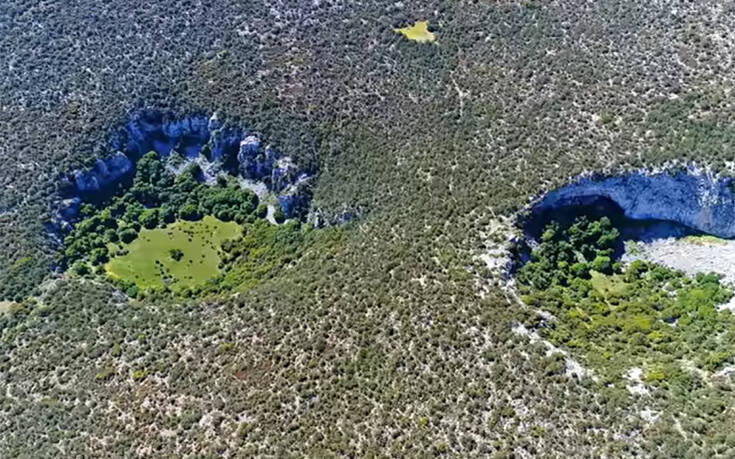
[(389, 337), (622, 317)]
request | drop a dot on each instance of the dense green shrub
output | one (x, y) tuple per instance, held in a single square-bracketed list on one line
[(620, 317)]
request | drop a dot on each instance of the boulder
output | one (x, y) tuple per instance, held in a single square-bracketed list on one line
[(247, 156), (214, 122), (68, 209), (285, 173)]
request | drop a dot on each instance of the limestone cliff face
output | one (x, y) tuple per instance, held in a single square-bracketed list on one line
[(149, 130), (208, 141), (105, 172), (693, 198), (294, 198)]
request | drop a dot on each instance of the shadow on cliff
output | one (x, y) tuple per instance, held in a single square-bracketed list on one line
[(643, 206), (595, 207)]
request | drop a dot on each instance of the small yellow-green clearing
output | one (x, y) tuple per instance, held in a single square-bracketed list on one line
[(7, 306), (705, 239), (183, 254), (418, 32), (613, 285)]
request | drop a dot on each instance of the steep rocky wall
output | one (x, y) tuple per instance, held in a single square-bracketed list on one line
[(692, 198), (215, 145), (105, 172)]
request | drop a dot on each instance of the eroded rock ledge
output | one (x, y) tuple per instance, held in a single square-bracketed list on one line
[(213, 144), (692, 198)]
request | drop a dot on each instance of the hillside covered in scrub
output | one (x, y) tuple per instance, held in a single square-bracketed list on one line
[(364, 229)]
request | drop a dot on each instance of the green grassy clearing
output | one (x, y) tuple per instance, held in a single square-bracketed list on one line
[(612, 285), (418, 32), (149, 262)]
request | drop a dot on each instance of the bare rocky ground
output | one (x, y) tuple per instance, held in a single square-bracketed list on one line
[(691, 255)]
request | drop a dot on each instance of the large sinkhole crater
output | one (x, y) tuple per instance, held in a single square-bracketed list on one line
[(185, 205), (211, 144)]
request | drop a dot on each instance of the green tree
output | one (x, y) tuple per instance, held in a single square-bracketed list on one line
[(128, 234), (262, 210), (189, 211), (602, 264), (111, 236), (149, 218), (98, 256), (279, 215)]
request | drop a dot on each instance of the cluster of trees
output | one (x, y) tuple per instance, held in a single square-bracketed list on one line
[(157, 198), (262, 251), (624, 316), (566, 254)]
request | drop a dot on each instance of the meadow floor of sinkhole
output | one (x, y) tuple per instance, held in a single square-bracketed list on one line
[(149, 262)]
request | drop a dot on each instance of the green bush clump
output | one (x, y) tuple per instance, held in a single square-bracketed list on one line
[(619, 316), (568, 254), (176, 254), (265, 249)]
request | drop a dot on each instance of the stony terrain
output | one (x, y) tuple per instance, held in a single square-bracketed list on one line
[(691, 255)]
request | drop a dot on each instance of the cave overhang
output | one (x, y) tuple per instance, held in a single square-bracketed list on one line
[(694, 199)]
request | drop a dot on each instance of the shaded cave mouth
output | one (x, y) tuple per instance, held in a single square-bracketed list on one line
[(595, 207)]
